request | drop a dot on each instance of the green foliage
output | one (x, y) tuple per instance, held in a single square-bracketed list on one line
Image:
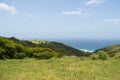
[(9, 48), (20, 55), (110, 50), (58, 55), (63, 49), (13, 45), (99, 55), (2, 51), (117, 56), (22, 42), (112, 54), (44, 55), (29, 52), (20, 48), (103, 55)]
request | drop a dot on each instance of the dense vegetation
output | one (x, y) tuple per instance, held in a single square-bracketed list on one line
[(15, 48), (8, 48)]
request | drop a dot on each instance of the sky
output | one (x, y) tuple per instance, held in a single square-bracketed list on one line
[(60, 19)]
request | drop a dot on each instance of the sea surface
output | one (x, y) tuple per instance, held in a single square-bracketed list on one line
[(89, 45)]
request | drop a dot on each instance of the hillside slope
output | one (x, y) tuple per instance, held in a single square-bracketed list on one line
[(15, 46), (62, 48), (110, 50), (56, 46)]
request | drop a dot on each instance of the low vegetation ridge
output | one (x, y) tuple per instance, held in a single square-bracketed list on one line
[(12, 47)]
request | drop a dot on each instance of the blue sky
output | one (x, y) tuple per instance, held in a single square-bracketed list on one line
[(41, 19)]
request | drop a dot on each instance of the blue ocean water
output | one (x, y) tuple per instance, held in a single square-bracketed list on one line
[(88, 44)]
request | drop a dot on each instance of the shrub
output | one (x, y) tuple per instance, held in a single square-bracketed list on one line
[(117, 56), (19, 48), (58, 55), (29, 52), (103, 55), (20, 55), (94, 56), (2, 56), (2, 53), (44, 55), (112, 54), (34, 52)]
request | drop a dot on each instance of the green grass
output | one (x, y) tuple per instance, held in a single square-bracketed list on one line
[(67, 68)]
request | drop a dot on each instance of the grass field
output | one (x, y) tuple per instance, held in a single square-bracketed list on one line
[(67, 68)]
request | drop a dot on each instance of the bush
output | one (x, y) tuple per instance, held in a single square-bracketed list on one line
[(35, 52), (58, 55), (117, 56), (29, 53), (112, 54), (43, 55), (20, 55), (19, 48), (2, 53), (2, 56), (103, 55), (94, 56)]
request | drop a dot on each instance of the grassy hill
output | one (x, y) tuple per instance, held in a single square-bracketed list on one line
[(56, 46), (59, 47), (110, 50)]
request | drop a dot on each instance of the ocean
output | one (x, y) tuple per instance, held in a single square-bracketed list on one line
[(89, 45)]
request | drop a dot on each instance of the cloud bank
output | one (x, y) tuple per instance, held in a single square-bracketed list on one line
[(8, 8)]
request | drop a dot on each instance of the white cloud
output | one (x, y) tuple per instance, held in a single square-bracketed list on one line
[(6, 7), (73, 12), (94, 2), (113, 21), (79, 12), (31, 16)]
